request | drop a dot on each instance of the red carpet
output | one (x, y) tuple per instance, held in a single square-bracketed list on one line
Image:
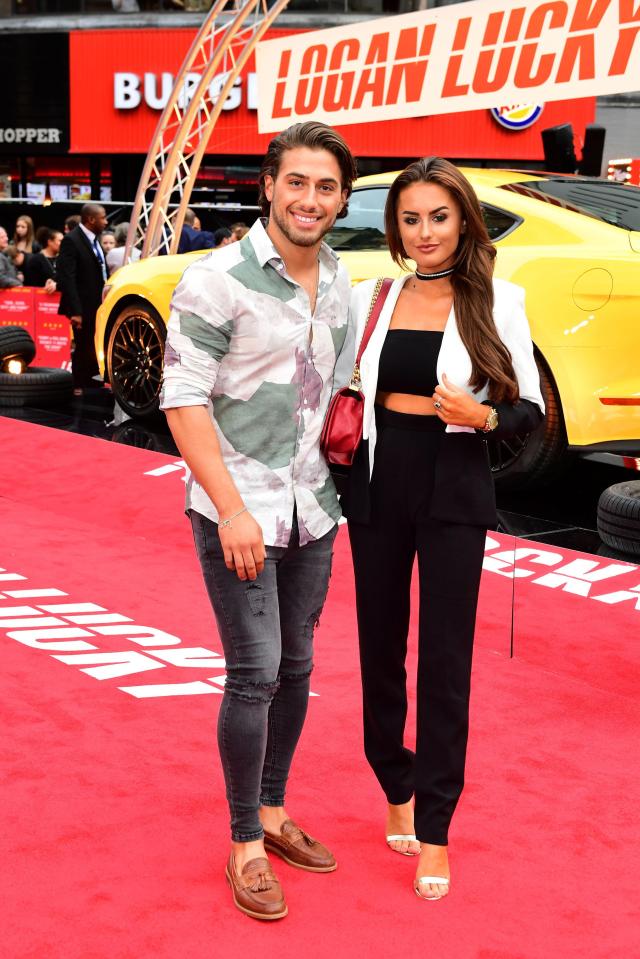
[(113, 811)]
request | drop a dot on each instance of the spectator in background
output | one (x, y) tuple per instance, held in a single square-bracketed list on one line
[(107, 242), (115, 257), (17, 259), (41, 235), (239, 230), (23, 238), (8, 273), (222, 237), (71, 223), (82, 272), (41, 268), (192, 237)]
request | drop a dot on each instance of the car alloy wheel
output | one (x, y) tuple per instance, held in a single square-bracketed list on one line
[(533, 459), (135, 357)]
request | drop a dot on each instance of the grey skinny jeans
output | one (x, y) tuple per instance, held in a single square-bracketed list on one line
[(266, 627)]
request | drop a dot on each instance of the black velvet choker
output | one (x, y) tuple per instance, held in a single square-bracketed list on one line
[(435, 276)]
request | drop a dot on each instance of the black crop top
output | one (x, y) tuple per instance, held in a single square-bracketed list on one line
[(408, 362)]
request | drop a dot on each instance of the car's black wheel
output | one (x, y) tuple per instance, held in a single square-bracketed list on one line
[(619, 517), (534, 459), (37, 386), (15, 341), (134, 359)]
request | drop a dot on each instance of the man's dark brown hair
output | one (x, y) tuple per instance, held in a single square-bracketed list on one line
[(314, 136)]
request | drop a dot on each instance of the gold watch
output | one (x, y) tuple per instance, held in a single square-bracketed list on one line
[(491, 422)]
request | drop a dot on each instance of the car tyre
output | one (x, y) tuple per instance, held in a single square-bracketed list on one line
[(537, 458), (619, 517), (135, 353), (16, 342), (37, 386)]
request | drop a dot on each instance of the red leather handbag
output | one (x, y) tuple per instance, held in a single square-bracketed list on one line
[(342, 430)]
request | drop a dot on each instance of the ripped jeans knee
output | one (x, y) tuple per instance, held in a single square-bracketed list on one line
[(247, 690)]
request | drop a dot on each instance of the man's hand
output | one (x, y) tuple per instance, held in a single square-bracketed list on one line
[(76, 322), (456, 407), (243, 546)]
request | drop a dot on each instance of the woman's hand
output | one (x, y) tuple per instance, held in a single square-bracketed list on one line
[(50, 286), (456, 407), (243, 546)]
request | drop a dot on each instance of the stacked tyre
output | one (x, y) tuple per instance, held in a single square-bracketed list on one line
[(619, 517), (32, 386)]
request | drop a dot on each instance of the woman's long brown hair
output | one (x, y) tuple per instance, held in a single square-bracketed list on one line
[(28, 240), (472, 281)]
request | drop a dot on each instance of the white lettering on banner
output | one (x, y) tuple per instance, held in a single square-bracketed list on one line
[(579, 576), (503, 562), (34, 626), (30, 135), (468, 56), (130, 90), (169, 468), (621, 596), (126, 91)]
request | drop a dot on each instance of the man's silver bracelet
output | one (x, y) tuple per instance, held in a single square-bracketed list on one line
[(227, 522)]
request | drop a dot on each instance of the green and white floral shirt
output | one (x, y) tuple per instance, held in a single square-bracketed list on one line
[(242, 340)]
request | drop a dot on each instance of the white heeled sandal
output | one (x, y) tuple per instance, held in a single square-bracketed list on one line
[(428, 881), (400, 838)]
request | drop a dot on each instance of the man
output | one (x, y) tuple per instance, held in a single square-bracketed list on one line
[(81, 274), (222, 237), (8, 273), (256, 328), (193, 237), (239, 230), (71, 223)]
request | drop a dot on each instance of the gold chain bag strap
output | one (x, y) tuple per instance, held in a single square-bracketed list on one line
[(342, 431)]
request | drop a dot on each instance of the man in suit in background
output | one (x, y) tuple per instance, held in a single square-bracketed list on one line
[(81, 274), (193, 237)]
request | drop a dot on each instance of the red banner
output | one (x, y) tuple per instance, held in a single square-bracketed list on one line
[(16, 308), (53, 332), (132, 73), (37, 313)]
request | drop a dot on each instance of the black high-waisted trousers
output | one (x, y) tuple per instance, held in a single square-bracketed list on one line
[(449, 564)]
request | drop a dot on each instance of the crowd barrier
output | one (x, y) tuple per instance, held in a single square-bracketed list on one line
[(37, 312)]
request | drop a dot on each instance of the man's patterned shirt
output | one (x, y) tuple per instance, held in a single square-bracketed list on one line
[(242, 340)]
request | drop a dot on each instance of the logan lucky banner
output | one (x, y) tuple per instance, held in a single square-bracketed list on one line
[(467, 56)]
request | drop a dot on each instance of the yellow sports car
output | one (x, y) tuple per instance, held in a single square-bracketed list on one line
[(573, 243)]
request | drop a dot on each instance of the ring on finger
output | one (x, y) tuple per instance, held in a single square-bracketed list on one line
[(438, 405)]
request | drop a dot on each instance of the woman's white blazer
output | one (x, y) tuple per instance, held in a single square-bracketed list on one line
[(453, 360)]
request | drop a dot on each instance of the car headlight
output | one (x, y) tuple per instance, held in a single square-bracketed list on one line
[(106, 289)]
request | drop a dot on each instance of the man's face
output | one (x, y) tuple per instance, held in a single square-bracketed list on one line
[(4, 239), (306, 196), (98, 222)]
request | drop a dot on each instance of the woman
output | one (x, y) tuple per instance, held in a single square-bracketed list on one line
[(23, 236), (40, 268), (450, 361), (115, 257), (107, 242)]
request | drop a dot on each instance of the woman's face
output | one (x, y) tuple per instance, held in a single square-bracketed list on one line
[(21, 229), (430, 223), (108, 241), (54, 243)]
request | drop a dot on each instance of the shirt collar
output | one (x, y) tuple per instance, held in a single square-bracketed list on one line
[(266, 252), (88, 233)]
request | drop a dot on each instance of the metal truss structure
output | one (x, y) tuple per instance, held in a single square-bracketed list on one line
[(216, 58)]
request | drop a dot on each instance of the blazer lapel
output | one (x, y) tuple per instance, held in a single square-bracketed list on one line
[(85, 243)]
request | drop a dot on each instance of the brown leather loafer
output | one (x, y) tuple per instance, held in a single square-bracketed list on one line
[(299, 849), (256, 891)]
